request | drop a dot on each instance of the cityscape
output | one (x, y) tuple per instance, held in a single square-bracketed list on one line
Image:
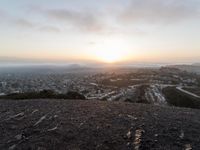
[(136, 85)]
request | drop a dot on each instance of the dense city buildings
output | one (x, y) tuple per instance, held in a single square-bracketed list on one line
[(132, 85)]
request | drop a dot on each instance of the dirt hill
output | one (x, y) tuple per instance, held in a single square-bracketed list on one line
[(77, 125)]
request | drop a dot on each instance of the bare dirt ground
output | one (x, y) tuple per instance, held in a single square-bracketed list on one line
[(80, 125)]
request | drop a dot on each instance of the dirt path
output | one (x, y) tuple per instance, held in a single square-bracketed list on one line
[(74, 125)]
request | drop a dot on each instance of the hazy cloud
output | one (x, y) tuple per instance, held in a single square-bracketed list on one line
[(49, 29), (154, 11), (1, 13), (107, 22), (3, 16), (136, 11), (16, 21), (83, 20), (24, 23)]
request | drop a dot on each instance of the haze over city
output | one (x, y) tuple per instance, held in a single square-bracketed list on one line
[(106, 31)]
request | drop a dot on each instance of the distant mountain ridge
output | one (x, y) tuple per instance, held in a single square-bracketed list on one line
[(196, 64), (44, 68), (194, 68)]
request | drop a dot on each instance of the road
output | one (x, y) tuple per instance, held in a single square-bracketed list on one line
[(187, 92)]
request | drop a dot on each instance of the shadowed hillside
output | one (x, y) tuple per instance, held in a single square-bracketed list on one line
[(45, 94), (60, 124)]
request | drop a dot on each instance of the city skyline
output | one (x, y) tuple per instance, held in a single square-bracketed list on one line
[(106, 31)]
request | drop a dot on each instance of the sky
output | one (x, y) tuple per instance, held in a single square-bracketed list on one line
[(106, 31)]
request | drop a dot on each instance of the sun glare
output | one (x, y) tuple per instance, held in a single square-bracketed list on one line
[(110, 51), (109, 56)]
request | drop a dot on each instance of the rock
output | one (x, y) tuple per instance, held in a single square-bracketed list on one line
[(41, 148), (132, 117), (12, 147), (182, 134), (18, 137), (120, 115), (17, 115), (55, 116), (40, 120), (81, 124), (36, 110), (128, 144), (174, 129), (129, 135), (53, 129), (188, 147), (138, 138)]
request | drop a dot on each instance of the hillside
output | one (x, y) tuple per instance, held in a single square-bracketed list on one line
[(189, 68), (69, 124), (196, 64)]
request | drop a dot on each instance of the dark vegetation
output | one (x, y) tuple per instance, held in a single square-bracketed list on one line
[(140, 92), (124, 82), (198, 80), (195, 90), (43, 95), (177, 98), (139, 96)]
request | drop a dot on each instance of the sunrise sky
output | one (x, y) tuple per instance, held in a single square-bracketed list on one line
[(100, 30)]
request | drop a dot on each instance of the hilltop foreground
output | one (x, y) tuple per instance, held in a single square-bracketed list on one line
[(81, 124)]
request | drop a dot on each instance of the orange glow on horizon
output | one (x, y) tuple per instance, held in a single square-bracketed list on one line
[(109, 56)]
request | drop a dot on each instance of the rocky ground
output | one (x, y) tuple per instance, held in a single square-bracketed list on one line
[(77, 125)]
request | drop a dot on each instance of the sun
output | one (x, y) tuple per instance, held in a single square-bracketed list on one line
[(110, 51), (109, 56)]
